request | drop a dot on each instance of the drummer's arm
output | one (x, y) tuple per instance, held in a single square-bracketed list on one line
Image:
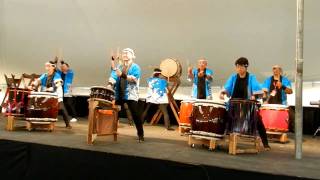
[(190, 74), (35, 84), (223, 93), (287, 90), (134, 76), (209, 77), (59, 91)]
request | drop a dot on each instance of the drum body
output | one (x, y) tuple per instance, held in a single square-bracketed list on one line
[(185, 112), (42, 106), (208, 119), (171, 68), (17, 101), (275, 117), (100, 92), (107, 122), (243, 116)]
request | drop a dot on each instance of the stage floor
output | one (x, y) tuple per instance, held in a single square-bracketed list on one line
[(169, 145)]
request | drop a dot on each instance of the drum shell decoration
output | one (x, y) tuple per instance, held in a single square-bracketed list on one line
[(100, 92), (17, 101)]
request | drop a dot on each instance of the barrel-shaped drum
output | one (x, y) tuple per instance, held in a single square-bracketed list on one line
[(275, 117), (42, 106), (208, 118)]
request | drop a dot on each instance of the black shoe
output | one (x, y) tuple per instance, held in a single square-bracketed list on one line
[(141, 139), (170, 129), (267, 147), (68, 126)]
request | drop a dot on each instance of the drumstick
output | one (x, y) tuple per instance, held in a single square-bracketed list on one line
[(118, 52), (60, 53)]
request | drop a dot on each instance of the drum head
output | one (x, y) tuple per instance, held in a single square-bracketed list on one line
[(43, 94), (169, 67), (101, 87), (274, 106)]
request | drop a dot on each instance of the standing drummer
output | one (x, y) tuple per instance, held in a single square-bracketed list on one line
[(125, 80), (202, 79), (157, 95), (276, 87), (52, 82), (67, 74), (244, 85)]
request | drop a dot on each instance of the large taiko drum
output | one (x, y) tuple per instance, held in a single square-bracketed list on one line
[(17, 101), (102, 93), (185, 112), (43, 107), (208, 119), (275, 117), (171, 68), (243, 116)]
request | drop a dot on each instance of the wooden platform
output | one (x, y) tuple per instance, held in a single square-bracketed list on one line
[(183, 129), (31, 125), (281, 137), (210, 142), (11, 122), (252, 144)]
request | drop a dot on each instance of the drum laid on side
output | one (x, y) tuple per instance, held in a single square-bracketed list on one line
[(208, 119), (102, 93), (243, 116), (42, 107), (185, 112), (171, 68), (275, 117), (17, 101)]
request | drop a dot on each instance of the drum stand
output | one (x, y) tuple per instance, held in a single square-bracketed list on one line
[(316, 103), (93, 131), (172, 88)]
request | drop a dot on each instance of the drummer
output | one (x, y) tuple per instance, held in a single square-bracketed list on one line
[(52, 82), (276, 87), (202, 79), (157, 95), (244, 85), (125, 80), (66, 74)]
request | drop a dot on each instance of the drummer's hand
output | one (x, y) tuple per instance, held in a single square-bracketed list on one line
[(279, 85), (118, 72), (222, 94), (189, 70), (209, 77), (50, 89), (252, 98), (201, 74)]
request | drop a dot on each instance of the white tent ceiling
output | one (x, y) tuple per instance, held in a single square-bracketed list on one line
[(264, 31)]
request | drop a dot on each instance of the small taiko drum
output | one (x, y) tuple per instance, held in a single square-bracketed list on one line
[(275, 117), (185, 112), (43, 107), (208, 118), (102, 93), (171, 68)]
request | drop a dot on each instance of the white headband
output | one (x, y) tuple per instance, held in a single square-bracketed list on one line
[(49, 63), (130, 51)]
